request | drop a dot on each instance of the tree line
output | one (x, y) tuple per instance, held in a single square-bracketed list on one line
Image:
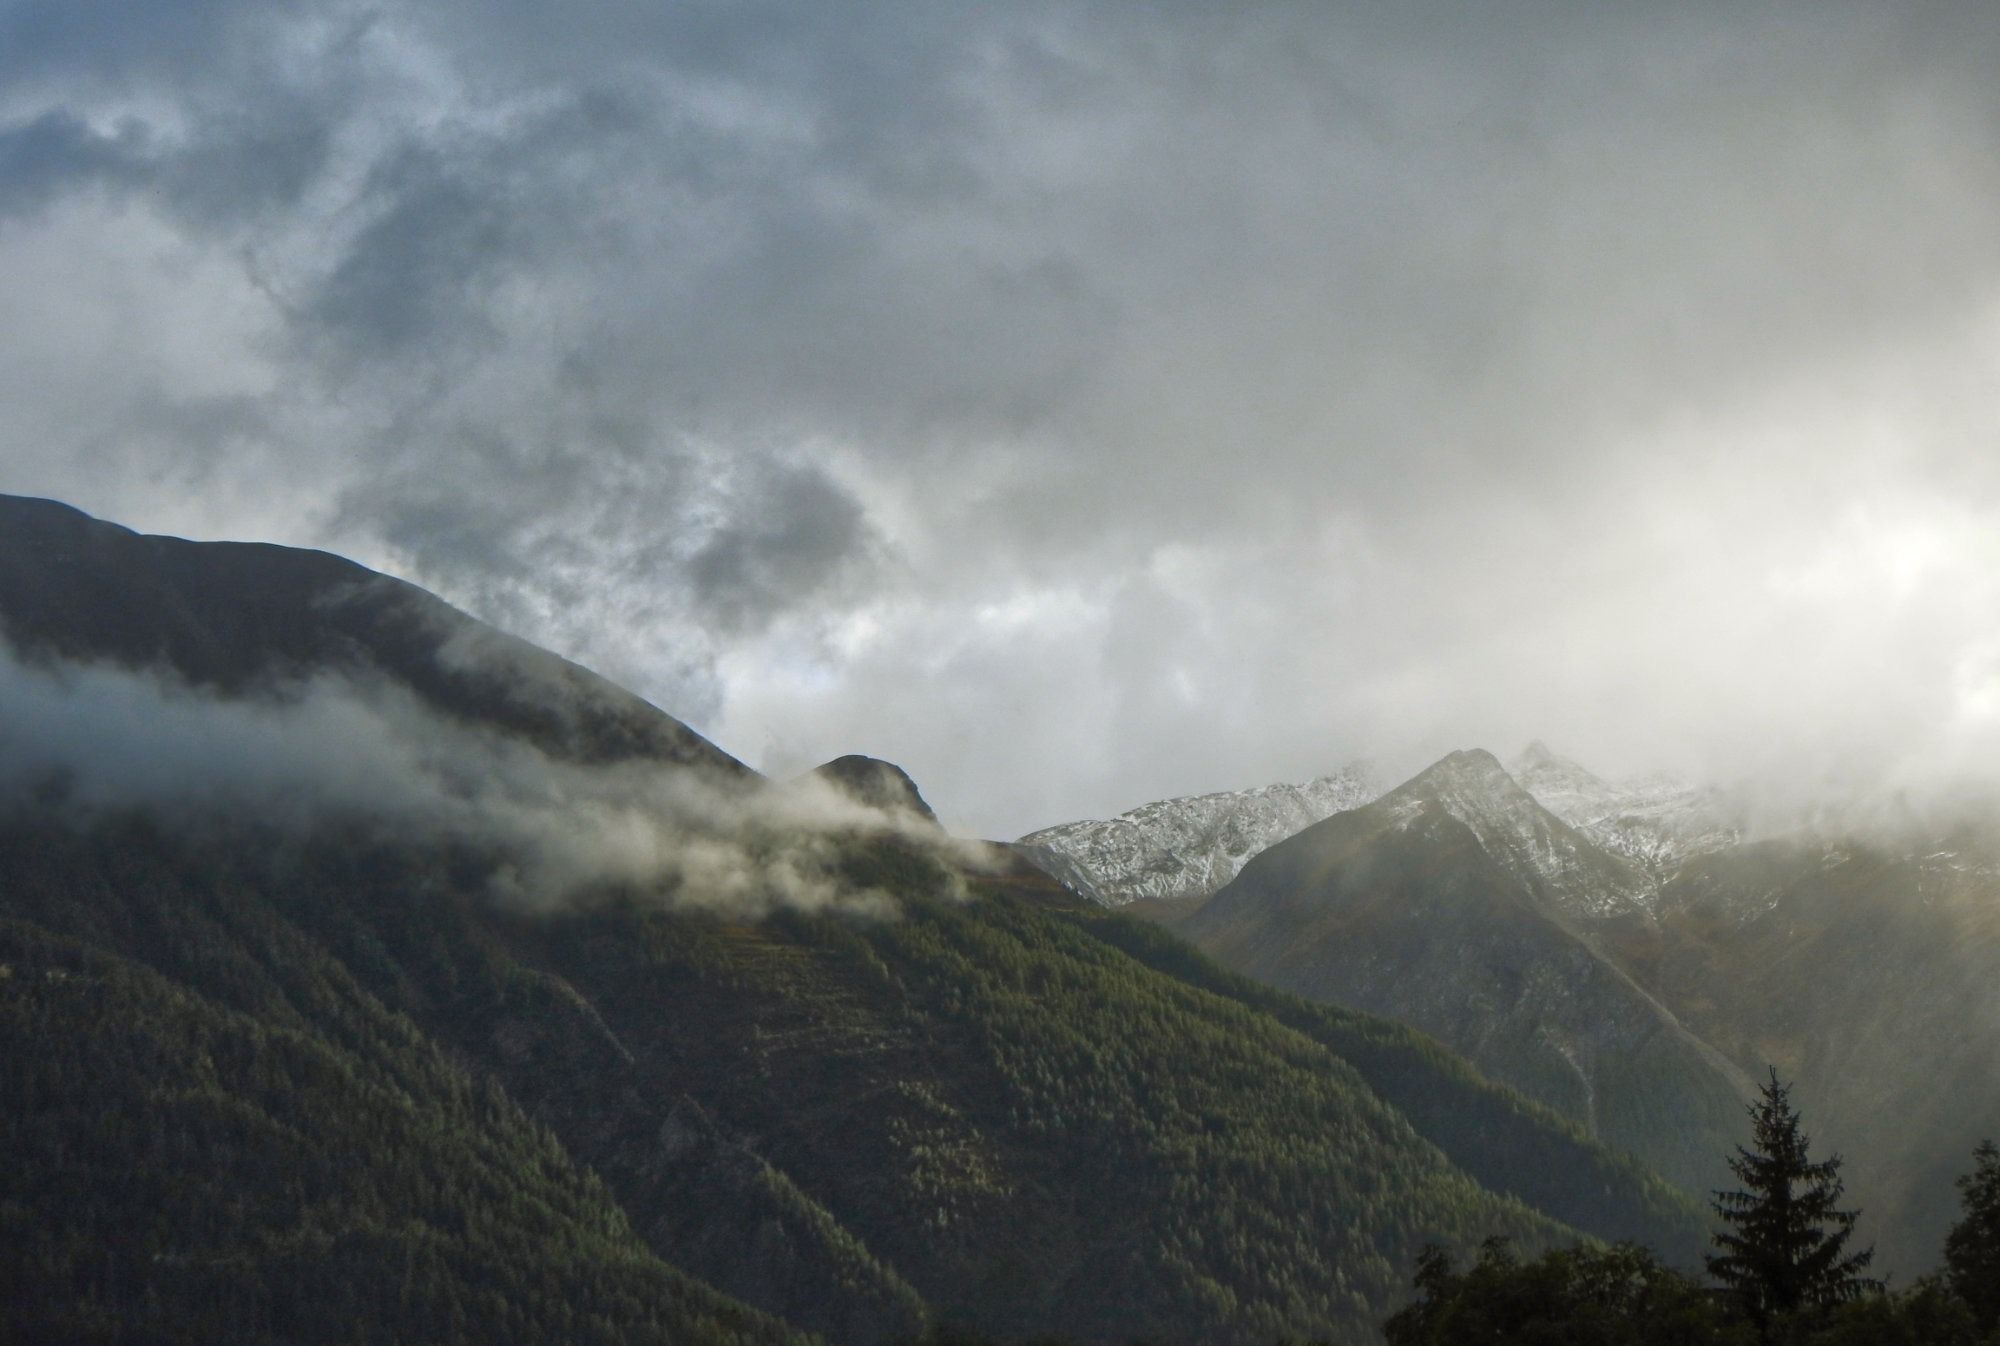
[(1782, 1273)]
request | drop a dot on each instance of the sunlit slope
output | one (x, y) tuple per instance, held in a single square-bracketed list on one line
[(1469, 930)]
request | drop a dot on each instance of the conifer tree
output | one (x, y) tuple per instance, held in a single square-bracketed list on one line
[(1785, 1244), (1972, 1248)]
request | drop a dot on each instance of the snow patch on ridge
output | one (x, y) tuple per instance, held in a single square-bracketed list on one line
[(1657, 821), (1191, 846)]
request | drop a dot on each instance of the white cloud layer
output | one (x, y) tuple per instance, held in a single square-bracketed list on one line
[(95, 739)]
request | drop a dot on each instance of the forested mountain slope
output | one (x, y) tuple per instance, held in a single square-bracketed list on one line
[(977, 1109), (337, 1074), (1635, 991)]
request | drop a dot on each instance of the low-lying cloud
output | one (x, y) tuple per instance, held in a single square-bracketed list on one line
[(95, 739)]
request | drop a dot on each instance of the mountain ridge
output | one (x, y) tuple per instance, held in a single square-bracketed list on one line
[(1186, 847), (963, 1100), (1406, 908), (1193, 844), (78, 588)]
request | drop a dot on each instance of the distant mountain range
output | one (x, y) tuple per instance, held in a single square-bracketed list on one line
[(756, 1063), (1191, 846), (1458, 904), (1623, 953)]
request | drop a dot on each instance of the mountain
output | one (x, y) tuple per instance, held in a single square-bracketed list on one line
[(1567, 871), (1657, 821), (874, 783), (1452, 904), (1177, 849), (1617, 951), (234, 618), (1187, 847), (1064, 869), (338, 1072), (1863, 966), (1856, 954)]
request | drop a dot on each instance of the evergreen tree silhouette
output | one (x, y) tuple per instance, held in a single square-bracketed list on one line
[(1785, 1244), (1972, 1249)]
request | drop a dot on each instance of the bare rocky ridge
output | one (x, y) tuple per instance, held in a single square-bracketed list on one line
[(1657, 821), (1191, 846)]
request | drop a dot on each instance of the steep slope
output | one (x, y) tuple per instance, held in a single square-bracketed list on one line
[(875, 783), (1443, 905), (964, 1098), (1857, 956), (235, 617), (1865, 972), (185, 1166), (1568, 873), (982, 1110), (1861, 967), (1065, 870), (1191, 846)]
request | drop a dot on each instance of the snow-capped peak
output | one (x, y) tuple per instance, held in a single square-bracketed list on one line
[(1564, 868), (1191, 846)]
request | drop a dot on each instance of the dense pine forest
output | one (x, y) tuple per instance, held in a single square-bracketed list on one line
[(227, 1123), (318, 1093)]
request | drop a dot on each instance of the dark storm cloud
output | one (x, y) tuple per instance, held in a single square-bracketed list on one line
[(114, 39), (418, 271), (790, 532), (56, 153), (1210, 395), (236, 168)]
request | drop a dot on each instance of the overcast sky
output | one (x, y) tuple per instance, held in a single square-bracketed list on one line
[(1076, 404)]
